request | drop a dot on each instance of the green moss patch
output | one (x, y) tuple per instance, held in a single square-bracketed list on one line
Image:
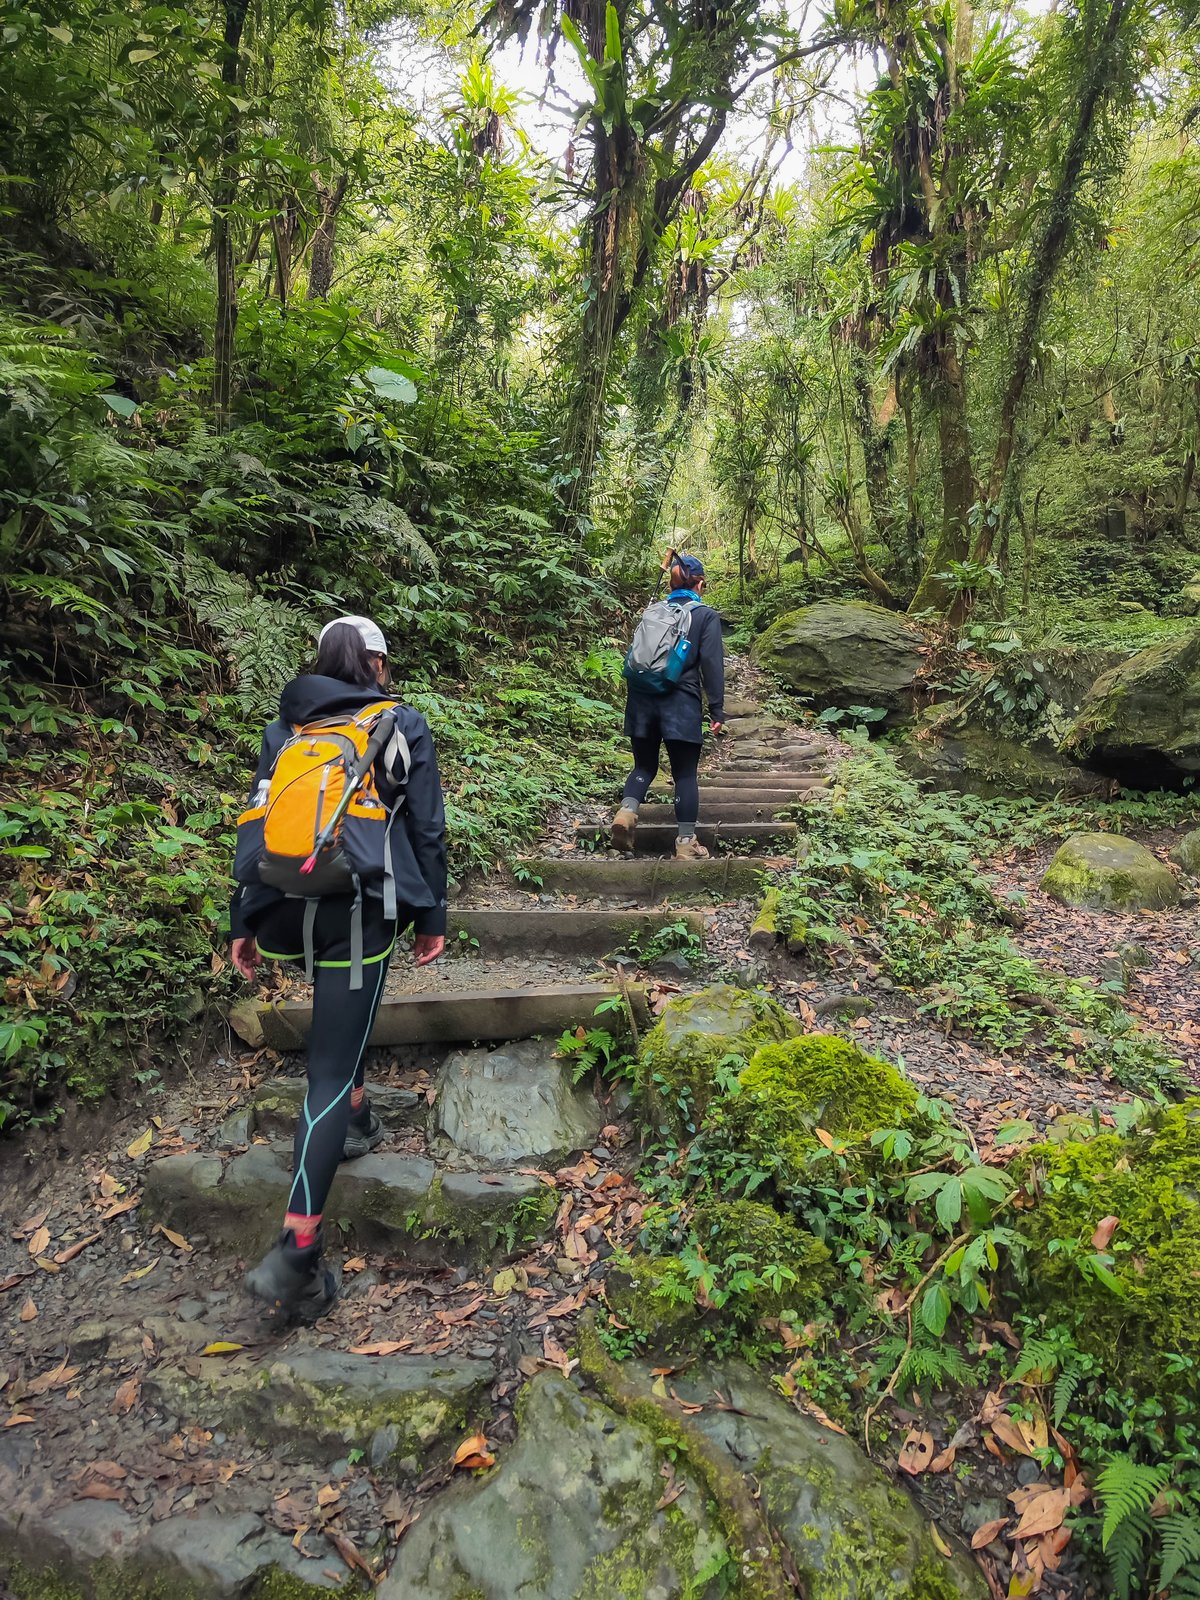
[(790, 1090), (680, 1056), (1150, 1181)]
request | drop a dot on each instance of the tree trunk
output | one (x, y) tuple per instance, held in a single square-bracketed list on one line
[(320, 267), (224, 196), (958, 478), (1103, 61)]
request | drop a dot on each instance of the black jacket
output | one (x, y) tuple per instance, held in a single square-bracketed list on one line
[(679, 713), (419, 836)]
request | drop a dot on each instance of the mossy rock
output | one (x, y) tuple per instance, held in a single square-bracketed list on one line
[(762, 1239), (654, 1298), (1103, 872), (679, 1056), (845, 653), (1141, 720), (1150, 1181), (1186, 853), (971, 758), (789, 1091)]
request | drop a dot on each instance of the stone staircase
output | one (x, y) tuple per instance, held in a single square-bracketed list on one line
[(543, 952), (469, 1179)]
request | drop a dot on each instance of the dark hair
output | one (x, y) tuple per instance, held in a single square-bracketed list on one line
[(342, 654)]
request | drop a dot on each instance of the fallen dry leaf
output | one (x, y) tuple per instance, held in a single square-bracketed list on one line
[(1105, 1229), (1043, 1514), (73, 1250), (381, 1347), (1007, 1431), (916, 1452), (944, 1459), (28, 1311), (39, 1241), (349, 1552), (141, 1272), (221, 1347), (176, 1239), (52, 1379), (18, 1419), (327, 1495), (463, 1314), (141, 1144), (97, 1489), (939, 1541), (126, 1397), (474, 1452), (120, 1208), (989, 1531)]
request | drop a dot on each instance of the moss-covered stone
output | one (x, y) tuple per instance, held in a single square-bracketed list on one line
[(1186, 853), (1103, 871), (655, 1300), (764, 930), (1141, 720), (679, 1056), (762, 1239), (845, 653), (1150, 1181), (788, 1091), (972, 758)]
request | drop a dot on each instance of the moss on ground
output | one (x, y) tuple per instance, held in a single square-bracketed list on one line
[(1150, 1181), (762, 1239)]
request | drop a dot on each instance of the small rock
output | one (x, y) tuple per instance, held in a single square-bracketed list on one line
[(1028, 1471), (483, 1351), (190, 1310), (385, 1442), (677, 964)]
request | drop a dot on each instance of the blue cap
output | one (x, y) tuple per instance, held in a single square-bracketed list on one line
[(691, 567)]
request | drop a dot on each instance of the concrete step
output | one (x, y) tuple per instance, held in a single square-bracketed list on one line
[(719, 809), (456, 1016), (794, 775), (658, 838), (547, 930), (645, 880), (404, 1204)]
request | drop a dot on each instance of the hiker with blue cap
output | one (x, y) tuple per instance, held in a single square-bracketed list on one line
[(677, 652)]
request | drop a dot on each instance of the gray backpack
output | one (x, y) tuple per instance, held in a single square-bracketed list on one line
[(660, 649)]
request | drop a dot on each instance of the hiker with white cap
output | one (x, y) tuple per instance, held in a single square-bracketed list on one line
[(342, 845)]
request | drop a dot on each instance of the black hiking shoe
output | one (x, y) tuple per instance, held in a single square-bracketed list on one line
[(295, 1281), (362, 1136)]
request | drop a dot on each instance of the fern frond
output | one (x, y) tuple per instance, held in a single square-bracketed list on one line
[(1179, 1535), (1064, 1392), (1127, 1489), (1126, 1556)]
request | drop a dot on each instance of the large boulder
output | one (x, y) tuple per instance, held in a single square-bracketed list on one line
[(516, 1104), (1105, 872), (1186, 853), (575, 1511), (970, 757), (678, 1067), (1149, 1180), (844, 653), (1141, 720), (851, 1532)]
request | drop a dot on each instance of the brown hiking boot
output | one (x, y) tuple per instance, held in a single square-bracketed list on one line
[(690, 850), (624, 827)]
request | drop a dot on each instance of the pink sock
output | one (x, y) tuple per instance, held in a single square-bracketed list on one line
[(305, 1229), (357, 1096)]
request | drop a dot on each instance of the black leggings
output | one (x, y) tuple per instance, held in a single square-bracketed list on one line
[(342, 1019), (684, 759)]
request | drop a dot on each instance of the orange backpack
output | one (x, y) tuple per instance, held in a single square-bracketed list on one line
[(317, 825)]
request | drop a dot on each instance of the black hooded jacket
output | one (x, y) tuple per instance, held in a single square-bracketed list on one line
[(419, 837)]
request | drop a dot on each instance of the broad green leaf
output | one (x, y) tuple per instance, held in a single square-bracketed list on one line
[(935, 1309), (62, 33), (120, 404), (389, 385), (949, 1203)]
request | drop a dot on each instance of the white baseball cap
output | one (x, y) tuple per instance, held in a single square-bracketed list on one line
[(369, 632)]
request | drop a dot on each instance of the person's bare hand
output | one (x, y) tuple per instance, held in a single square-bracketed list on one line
[(246, 957), (428, 947), (717, 728)]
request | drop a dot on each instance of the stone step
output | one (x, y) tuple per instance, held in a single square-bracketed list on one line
[(718, 810), (547, 930), (751, 794), (457, 1016), (645, 881), (400, 1412), (275, 1109), (658, 838), (746, 776), (403, 1204)]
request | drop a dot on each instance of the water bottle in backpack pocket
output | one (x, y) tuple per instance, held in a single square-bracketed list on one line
[(661, 647)]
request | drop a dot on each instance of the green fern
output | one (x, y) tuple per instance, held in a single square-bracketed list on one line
[(1179, 1536), (261, 636), (1125, 1489)]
